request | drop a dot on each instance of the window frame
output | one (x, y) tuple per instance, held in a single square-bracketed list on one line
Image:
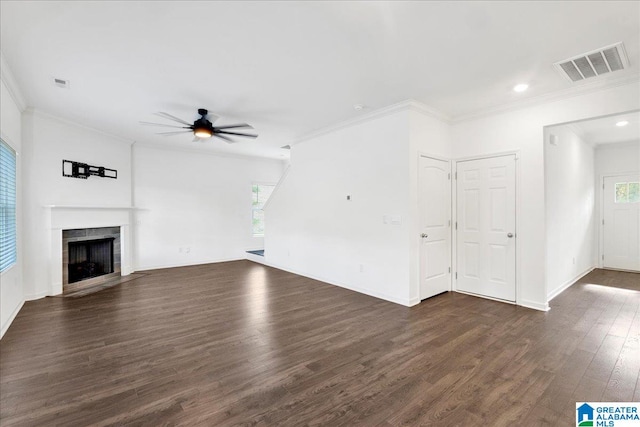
[(13, 261), (253, 209)]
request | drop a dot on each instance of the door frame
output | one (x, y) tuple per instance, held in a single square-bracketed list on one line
[(451, 186), (600, 262), (454, 213)]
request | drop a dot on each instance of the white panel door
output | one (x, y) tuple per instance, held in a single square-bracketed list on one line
[(486, 222), (435, 225), (621, 227)]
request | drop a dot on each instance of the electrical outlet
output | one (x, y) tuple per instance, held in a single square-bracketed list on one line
[(361, 268), (188, 250)]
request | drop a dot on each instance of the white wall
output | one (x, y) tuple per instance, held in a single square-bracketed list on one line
[(312, 229), (194, 208), (11, 292), (46, 142), (570, 209), (522, 130)]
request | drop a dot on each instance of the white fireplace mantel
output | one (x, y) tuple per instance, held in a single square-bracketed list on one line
[(69, 217)]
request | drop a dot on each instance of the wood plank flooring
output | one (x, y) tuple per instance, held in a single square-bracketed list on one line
[(240, 343)]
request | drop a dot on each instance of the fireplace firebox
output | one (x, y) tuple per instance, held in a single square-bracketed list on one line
[(90, 258)]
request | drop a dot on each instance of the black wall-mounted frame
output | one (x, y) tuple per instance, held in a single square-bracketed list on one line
[(83, 171)]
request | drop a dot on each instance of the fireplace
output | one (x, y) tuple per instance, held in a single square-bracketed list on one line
[(90, 256)]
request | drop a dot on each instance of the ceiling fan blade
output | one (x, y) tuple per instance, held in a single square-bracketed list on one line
[(170, 117), (239, 125), (173, 133), (226, 138), (237, 134), (163, 125), (212, 117)]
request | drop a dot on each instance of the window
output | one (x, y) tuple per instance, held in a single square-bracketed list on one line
[(7, 206), (260, 193), (627, 192)]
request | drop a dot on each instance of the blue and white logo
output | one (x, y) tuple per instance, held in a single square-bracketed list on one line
[(607, 414)]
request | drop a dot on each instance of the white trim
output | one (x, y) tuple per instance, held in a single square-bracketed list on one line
[(38, 295), (38, 112), (406, 302), (560, 289), (11, 318), (409, 104), (10, 82), (140, 269), (535, 305), (558, 95)]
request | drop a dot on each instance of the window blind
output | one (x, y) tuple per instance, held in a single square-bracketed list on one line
[(7, 206)]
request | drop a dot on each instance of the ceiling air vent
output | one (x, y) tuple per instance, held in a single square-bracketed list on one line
[(61, 83), (286, 147), (595, 63)]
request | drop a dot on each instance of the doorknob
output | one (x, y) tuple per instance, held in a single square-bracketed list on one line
[(424, 236), (509, 235)]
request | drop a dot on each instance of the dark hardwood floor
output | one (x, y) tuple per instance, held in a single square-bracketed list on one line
[(239, 343)]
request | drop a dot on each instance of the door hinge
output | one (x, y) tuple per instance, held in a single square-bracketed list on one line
[(603, 222), (448, 176), (449, 269), (456, 175), (449, 223), (603, 257), (456, 225), (603, 185), (456, 275)]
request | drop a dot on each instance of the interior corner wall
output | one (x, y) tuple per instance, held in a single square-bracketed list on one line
[(313, 229), (428, 136), (193, 207), (46, 142), (11, 280), (522, 130), (570, 209)]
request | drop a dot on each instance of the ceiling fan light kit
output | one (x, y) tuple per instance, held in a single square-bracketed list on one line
[(202, 128)]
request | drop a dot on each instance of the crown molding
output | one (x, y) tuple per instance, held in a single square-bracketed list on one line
[(550, 97), (48, 115), (11, 84), (406, 105)]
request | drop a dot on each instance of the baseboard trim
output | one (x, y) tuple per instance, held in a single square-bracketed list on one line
[(414, 301), (534, 305), (38, 295), (5, 327), (560, 289), (375, 294), (160, 267)]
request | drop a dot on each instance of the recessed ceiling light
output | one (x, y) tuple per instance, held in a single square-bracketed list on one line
[(622, 123), (520, 87), (358, 107)]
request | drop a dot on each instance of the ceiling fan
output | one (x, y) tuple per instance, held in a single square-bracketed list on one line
[(202, 128)]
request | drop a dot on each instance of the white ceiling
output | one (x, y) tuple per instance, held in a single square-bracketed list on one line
[(290, 68), (603, 130)]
